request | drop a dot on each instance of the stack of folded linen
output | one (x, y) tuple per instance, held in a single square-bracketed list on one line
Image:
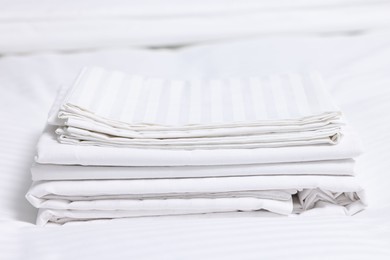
[(122, 145)]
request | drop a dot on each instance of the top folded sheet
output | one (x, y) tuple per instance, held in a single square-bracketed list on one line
[(114, 109)]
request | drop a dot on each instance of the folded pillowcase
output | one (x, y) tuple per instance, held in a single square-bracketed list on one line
[(114, 109)]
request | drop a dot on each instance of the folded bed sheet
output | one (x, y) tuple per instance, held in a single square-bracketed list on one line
[(50, 151), (63, 201), (110, 108), (77, 172)]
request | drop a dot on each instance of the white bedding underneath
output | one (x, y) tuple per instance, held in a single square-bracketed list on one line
[(84, 25)]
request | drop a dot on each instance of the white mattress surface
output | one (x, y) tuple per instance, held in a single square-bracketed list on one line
[(356, 68)]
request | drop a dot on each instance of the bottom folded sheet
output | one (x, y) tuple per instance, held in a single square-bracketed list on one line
[(65, 201)]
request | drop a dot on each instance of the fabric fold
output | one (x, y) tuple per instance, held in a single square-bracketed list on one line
[(50, 151), (116, 198), (77, 172)]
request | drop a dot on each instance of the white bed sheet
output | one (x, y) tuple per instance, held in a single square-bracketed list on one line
[(355, 66), (106, 198), (79, 172), (50, 151)]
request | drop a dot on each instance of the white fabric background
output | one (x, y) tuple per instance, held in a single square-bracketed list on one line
[(42, 25), (357, 68)]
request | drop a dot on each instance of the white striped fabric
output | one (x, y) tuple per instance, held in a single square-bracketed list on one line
[(142, 100), (112, 108)]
